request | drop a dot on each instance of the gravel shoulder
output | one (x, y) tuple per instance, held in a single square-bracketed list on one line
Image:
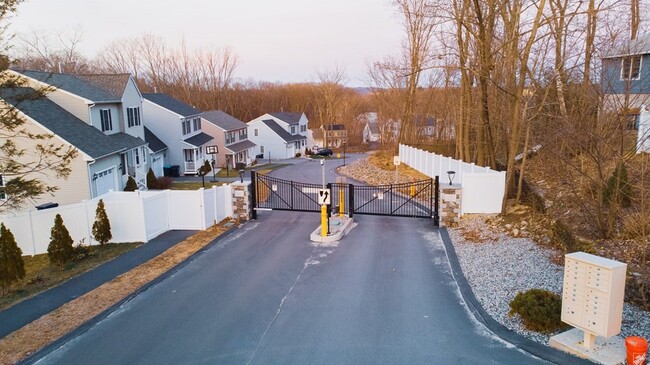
[(498, 266)]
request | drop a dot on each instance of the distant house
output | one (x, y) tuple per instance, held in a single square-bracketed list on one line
[(279, 135), (230, 136), (111, 105), (332, 135), (157, 152), (626, 77), (426, 127), (371, 133), (643, 134), (179, 127)]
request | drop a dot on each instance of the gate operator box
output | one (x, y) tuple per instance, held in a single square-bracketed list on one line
[(592, 294)]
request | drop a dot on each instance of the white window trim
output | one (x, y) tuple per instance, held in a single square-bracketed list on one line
[(627, 77), (110, 119), (3, 194)]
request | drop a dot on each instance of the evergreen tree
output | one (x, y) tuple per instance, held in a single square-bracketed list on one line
[(205, 169), (12, 266), (131, 185), (102, 226), (60, 249), (151, 180), (618, 188)]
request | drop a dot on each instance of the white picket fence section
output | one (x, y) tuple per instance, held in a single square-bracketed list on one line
[(134, 216), (483, 188)]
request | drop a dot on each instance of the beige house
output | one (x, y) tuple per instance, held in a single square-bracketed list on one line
[(230, 135)]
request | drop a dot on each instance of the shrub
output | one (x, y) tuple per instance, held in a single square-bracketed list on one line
[(151, 179), (60, 249), (540, 310), (81, 251), (618, 188), (205, 169), (298, 154), (131, 185), (565, 239), (12, 266), (102, 226), (636, 225)]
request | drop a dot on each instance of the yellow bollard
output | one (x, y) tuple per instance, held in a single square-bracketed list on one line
[(341, 202), (323, 220), (412, 190)]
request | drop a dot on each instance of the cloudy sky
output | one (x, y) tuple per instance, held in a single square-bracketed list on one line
[(276, 40)]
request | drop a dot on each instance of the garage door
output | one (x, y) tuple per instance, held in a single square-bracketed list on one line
[(157, 166), (105, 181)]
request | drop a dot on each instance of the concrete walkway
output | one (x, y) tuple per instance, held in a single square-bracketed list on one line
[(25, 312)]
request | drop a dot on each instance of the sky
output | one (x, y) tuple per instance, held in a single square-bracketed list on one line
[(275, 40)]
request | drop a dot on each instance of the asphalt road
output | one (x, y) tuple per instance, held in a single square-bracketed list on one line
[(266, 295)]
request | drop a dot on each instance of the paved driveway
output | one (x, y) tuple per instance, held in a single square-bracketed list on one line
[(266, 295)]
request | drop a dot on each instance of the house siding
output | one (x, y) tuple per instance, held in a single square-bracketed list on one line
[(271, 141), (104, 164), (72, 190), (611, 77), (166, 125), (132, 99), (73, 104), (116, 117), (219, 136)]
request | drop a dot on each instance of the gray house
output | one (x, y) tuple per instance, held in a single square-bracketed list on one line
[(179, 127), (625, 77), (112, 105)]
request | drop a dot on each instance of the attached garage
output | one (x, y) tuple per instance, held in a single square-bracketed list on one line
[(105, 181)]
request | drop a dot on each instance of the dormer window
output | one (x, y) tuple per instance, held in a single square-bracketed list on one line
[(631, 68), (133, 116), (106, 119), (187, 126)]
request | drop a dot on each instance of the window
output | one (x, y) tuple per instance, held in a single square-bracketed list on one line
[(631, 68), (197, 124), (133, 116), (243, 134), (261, 149), (107, 121), (137, 156), (303, 128), (293, 129), (187, 127), (255, 132), (230, 137), (3, 195)]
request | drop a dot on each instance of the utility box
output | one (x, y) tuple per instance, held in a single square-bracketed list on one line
[(592, 294)]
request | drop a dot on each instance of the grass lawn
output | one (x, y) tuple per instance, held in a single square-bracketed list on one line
[(195, 185), (40, 275)]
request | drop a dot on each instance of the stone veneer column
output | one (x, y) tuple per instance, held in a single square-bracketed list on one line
[(241, 206), (450, 203)]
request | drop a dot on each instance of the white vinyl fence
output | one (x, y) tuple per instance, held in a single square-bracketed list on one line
[(483, 188), (135, 216)]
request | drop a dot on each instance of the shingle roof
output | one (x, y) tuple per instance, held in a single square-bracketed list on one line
[(223, 120), (291, 118), (286, 136), (638, 46), (199, 140), (240, 146), (155, 144), (97, 88), (172, 104), (78, 133)]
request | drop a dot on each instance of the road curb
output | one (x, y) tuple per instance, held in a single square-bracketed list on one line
[(530, 346), (36, 356)]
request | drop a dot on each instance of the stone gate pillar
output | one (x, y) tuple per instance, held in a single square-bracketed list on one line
[(241, 200), (450, 203)]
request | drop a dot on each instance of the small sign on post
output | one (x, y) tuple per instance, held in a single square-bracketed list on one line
[(324, 196), (396, 161)]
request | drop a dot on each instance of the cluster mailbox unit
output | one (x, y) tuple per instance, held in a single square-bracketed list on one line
[(592, 295)]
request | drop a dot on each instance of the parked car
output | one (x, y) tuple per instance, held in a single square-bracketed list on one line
[(260, 156), (325, 152)]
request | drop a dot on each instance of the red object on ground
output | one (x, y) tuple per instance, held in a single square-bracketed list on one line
[(637, 348)]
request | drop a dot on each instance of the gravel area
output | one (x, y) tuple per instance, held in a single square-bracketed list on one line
[(500, 266)]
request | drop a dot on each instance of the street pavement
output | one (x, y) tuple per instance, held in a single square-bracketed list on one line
[(385, 294)]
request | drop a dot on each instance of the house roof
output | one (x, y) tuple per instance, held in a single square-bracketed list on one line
[(172, 104), (374, 127), (76, 132), (291, 118), (286, 136), (155, 144), (223, 120), (240, 146), (97, 88), (638, 46), (334, 127), (199, 139)]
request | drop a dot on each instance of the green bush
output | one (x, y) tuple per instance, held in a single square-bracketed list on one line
[(151, 179), (540, 310), (12, 266), (102, 225), (618, 188), (298, 154), (60, 249), (131, 185)]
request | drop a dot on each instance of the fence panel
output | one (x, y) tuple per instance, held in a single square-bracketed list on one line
[(483, 193), (155, 209)]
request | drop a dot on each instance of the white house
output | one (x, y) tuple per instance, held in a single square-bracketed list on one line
[(643, 134), (230, 135), (279, 135), (179, 127), (157, 152), (100, 115)]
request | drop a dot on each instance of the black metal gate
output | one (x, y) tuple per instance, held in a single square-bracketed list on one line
[(418, 199)]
